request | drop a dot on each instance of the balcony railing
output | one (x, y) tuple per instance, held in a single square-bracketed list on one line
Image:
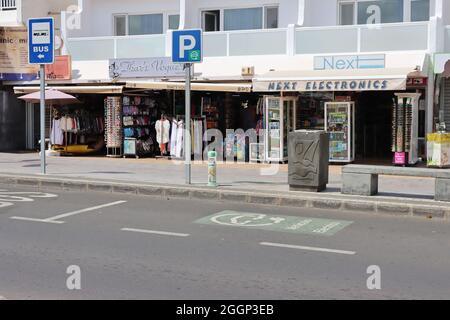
[(6, 5), (317, 40), (362, 38)]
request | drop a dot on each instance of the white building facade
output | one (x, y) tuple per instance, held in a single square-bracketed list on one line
[(261, 42)]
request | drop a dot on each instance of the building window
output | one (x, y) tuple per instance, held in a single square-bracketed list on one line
[(125, 25), (145, 24), (271, 17), (211, 20), (243, 19), (174, 21), (346, 13), (382, 11), (120, 25), (420, 10)]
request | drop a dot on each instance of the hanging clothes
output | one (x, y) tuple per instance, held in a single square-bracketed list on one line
[(57, 137), (173, 138), (162, 128), (180, 139)]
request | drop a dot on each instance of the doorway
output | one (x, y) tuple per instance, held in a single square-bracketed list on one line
[(374, 127)]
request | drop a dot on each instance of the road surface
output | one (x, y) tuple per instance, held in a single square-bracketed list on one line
[(59, 245)]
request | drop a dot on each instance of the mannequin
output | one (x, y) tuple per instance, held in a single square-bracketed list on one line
[(162, 128)]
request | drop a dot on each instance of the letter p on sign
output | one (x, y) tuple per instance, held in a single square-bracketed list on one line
[(187, 46)]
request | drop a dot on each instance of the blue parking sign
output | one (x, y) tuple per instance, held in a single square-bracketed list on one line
[(187, 46), (41, 48)]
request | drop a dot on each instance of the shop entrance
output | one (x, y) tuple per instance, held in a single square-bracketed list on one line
[(373, 127)]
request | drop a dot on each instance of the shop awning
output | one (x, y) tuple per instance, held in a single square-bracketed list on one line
[(196, 86), (442, 64), (74, 89), (333, 80)]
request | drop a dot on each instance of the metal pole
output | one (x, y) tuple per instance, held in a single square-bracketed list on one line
[(42, 112), (187, 138)]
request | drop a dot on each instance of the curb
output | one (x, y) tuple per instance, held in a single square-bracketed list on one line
[(403, 207)]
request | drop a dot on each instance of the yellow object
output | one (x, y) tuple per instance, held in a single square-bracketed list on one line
[(79, 148), (438, 137)]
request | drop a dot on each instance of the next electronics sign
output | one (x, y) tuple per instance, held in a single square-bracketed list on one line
[(374, 61)]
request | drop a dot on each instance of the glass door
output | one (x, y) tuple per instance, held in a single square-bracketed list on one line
[(273, 115), (289, 122), (339, 126)]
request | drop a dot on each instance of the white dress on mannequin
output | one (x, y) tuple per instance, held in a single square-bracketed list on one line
[(162, 128)]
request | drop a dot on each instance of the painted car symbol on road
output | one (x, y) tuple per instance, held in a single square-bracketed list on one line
[(246, 220), (8, 198)]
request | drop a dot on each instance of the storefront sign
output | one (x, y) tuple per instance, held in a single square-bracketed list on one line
[(14, 55), (145, 68), (373, 61), (330, 85), (61, 69)]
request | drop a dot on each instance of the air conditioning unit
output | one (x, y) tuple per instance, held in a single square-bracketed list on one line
[(248, 71)]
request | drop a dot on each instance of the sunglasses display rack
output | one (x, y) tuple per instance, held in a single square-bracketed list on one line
[(113, 127)]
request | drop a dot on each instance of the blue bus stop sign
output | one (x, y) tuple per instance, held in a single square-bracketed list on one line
[(41, 44), (187, 46)]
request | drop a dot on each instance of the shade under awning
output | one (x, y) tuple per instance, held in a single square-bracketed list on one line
[(195, 86), (333, 80), (74, 89)]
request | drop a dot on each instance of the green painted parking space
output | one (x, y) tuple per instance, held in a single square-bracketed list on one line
[(280, 223)]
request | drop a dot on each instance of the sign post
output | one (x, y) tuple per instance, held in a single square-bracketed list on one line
[(41, 51), (187, 49)]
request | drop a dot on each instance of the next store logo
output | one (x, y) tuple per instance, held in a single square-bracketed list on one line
[(375, 61)]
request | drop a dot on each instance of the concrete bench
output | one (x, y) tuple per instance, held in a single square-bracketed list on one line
[(363, 179)]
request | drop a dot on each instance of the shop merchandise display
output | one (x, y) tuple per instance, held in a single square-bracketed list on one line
[(137, 114), (177, 138), (162, 128), (280, 120), (340, 127), (113, 126), (211, 112), (401, 129), (74, 127)]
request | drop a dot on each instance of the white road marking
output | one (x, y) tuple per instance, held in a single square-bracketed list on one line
[(65, 215), (36, 220), (163, 233), (289, 246)]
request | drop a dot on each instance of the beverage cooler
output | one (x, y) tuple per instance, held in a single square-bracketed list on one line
[(340, 125), (280, 119), (405, 126)]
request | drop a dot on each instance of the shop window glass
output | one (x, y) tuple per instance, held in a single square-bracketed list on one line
[(120, 25), (346, 13), (271, 18), (420, 10), (387, 11), (145, 24), (243, 19), (174, 21)]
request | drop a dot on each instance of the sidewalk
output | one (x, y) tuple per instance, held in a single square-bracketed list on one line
[(233, 176), (243, 183)]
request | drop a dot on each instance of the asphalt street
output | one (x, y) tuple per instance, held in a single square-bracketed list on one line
[(133, 247)]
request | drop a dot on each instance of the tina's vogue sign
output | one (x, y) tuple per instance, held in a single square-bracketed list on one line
[(145, 68)]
